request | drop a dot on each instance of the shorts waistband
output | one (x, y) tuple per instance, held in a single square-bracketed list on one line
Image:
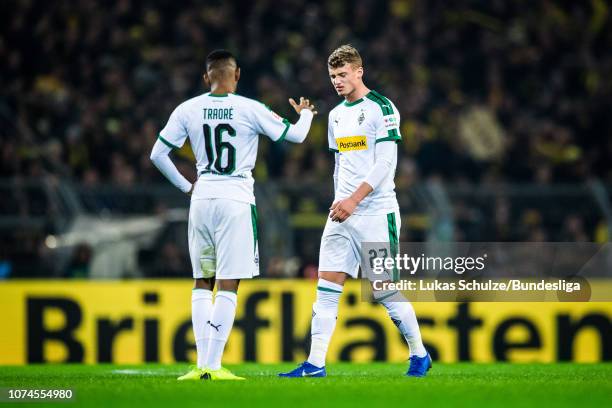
[(216, 173)]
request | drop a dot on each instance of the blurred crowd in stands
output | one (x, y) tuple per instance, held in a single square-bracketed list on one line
[(489, 91)]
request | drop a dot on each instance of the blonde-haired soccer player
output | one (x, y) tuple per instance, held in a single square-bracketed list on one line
[(363, 132), (223, 129)]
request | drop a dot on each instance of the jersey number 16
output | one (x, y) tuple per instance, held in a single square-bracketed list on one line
[(214, 148)]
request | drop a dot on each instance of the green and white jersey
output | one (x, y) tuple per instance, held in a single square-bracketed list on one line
[(354, 130), (224, 133)]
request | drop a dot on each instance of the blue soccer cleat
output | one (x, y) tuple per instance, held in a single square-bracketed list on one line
[(419, 366), (305, 370)]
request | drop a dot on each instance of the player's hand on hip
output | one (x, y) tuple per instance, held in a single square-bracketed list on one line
[(341, 210), (304, 104)]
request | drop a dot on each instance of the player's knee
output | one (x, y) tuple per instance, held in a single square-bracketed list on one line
[(229, 285), (204, 283)]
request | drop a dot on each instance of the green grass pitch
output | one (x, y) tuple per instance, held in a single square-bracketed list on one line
[(347, 385)]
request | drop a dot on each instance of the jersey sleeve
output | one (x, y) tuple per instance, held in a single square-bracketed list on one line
[(331, 140), (174, 133), (388, 124), (267, 122)]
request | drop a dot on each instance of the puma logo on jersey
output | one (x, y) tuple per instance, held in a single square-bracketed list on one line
[(349, 143)]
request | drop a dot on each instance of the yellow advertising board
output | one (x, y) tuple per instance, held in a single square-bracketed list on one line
[(150, 321)]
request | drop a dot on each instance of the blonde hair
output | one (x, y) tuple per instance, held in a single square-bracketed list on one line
[(345, 54)]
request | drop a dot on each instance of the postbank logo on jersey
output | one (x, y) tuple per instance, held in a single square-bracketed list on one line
[(348, 143)]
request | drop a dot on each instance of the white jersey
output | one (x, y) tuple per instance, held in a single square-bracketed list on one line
[(224, 133), (354, 129)]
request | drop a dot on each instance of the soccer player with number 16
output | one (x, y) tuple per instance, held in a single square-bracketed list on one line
[(223, 129)]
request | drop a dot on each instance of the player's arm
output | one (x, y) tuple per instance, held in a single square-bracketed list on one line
[(333, 147), (278, 129), (171, 137), (161, 160), (336, 170), (297, 132)]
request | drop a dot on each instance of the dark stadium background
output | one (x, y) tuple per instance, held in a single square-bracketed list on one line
[(505, 120), (506, 137)]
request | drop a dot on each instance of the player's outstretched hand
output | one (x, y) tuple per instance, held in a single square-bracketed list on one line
[(304, 104), (341, 210)]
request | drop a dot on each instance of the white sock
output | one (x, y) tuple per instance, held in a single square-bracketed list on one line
[(402, 314), (324, 316), (201, 309), (220, 325)]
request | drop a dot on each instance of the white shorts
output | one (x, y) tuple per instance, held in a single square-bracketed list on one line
[(341, 243), (223, 239)]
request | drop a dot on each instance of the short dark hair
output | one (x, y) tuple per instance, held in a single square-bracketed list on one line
[(219, 56)]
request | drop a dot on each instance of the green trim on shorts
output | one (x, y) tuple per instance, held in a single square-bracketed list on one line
[(393, 242), (254, 224)]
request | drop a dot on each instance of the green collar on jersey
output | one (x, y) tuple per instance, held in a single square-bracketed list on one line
[(353, 103), (217, 95)]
